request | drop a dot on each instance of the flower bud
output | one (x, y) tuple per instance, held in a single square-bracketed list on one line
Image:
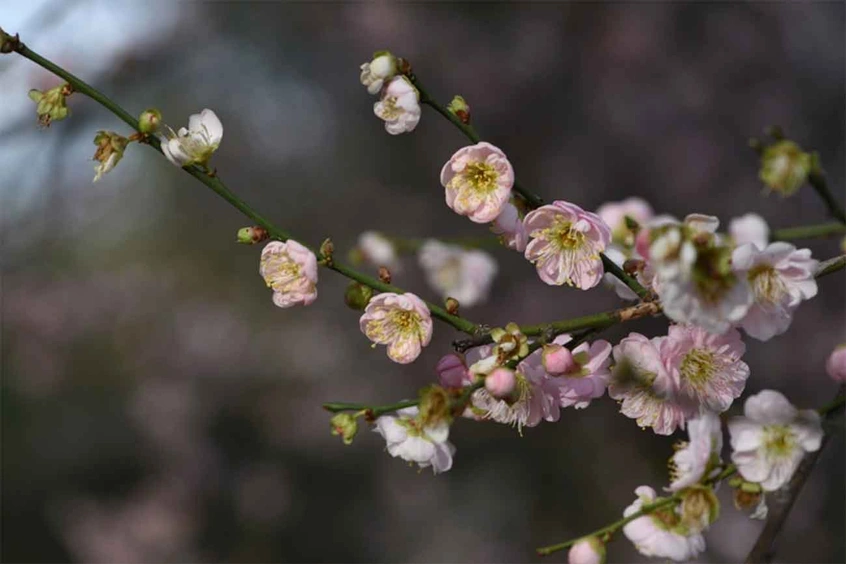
[(434, 405), (500, 382), (376, 73), (587, 550), (110, 148), (252, 235), (8, 43), (460, 109), (327, 249), (836, 364), (345, 426), (699, 507), (149, 120), (452, 371), (557, 360), (452, 306), (785, 167), (357, 296), (384, 275), (51, 105)]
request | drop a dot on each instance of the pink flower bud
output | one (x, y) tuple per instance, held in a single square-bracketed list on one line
[(500, 382), (557, 360), (642, 243), (836, 365), (588, 550), (452, 371)]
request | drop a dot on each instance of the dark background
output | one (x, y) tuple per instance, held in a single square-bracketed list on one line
[(157, 407)]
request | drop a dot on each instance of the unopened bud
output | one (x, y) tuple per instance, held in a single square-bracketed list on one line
[(345, 426), (500, 382), (633, 266), (404, 66), (357, 296), (384, 275), (452, 306), (587, 550), (557, 360), (150, 120), (327, 248), (434, 405), (460, 109), (8, 43), (785, 167), (452, 371), (252, 235)]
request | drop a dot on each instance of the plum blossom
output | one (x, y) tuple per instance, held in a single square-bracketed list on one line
[(378, 251), (382, 67), (399, 106), (750, 228), (836, 363), (646, 389), (465, 275), (701, 454), (509, 226), (401, 321), (290, 269), (661, 533), (478, 181), (500, 382), (771, 438), (780, 277), (408, 438), (566, 242), (196, 144), (587, 550), (453, 372), (587, 378), (707, 367), (614, 215)]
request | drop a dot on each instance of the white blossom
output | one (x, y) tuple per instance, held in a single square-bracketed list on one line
[(196, 144), (399, 106), (409, 439), (462, 274)]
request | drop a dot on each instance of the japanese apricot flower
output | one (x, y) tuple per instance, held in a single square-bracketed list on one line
[(566, 242), (399, 106), (196, 144), (407, 437), (478, 181), (290, 270), (401, 321), (661, 533), (694, 458)]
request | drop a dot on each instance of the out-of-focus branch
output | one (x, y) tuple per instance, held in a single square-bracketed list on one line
[(809, 231)]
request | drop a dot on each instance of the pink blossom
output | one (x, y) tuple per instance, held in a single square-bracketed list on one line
[(589, 375), (836, 364), (587, 550), (614, 215), (780, 278), (401, 321), (707, 366), (500, 382), (661, 533), (452, 371), (399, 106), (290, 270), (509, 226), (692, 462), (566, 244), (478, 181)]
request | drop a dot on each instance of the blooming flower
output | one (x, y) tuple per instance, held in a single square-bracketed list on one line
[(780, 277), (566, 244), (771, 438), (378, 250), (750, 228), (478, 181), (693, 459), (589, 375), (646, 389), (836, 363), (661, 533), (464, 275), (399, 106), (708, 367), (509, 226), (290, 270), (382, 67), (196, 144), (614, 215), (587, 550), (408, 438), (401, 321)]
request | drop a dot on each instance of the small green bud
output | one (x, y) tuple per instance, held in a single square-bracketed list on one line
[(252, 235), (452, 306), (460, 109), (327, 249), (785, 167), (357, 296), (345, 426), (150, 120)]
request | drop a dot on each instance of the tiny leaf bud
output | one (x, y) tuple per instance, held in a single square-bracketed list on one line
[(384, 275), (150, 120), (252, 235), (452, 306), (460, 109)]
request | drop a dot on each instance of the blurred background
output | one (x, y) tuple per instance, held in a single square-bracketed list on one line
[(156, 407)]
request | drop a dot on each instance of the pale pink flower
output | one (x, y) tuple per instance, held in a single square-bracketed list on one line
[(614, 215), (401, 321), (509, 226), (500, 382), (750, 228), (701, 454), (408, 438), (707, 366), (587, 550), (771, 439), (290, 270), (646, 389), (455, 272), (566, 244), (780, 277), (715, 304), (478, 181), (452, 371), (660, 533), (589, 375), (378, 251), (399, 106), (836, 364)]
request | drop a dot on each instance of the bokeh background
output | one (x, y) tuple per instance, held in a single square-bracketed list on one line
[(156, 407)]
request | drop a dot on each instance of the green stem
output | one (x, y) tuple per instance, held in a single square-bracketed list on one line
[(818, 182), (630, 281), (224, 192), (830, 265), (374, 411), (809, 231)]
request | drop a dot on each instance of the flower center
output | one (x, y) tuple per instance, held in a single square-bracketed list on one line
[(779, 441), (766, 283), (666, 518), (390, 110), (282, 272), (481, 177), (698, 367)]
